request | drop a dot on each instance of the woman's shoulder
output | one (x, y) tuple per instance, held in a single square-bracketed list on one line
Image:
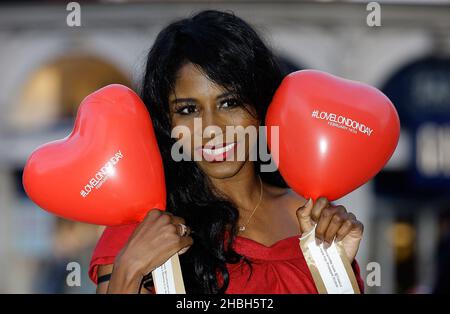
[(294, 197), (286, 197)]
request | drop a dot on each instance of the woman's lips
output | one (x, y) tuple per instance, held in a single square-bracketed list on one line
[(214, 153)]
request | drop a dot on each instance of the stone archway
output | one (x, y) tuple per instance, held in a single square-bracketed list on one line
[(53, 92)]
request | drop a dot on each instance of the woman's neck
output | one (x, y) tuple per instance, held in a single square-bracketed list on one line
[(243, 188)]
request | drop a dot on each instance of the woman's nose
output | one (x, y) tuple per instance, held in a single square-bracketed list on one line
[(211, 124)]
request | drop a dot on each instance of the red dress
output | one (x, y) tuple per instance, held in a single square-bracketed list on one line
[(279, 268)]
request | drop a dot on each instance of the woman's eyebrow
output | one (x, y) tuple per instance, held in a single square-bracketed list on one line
[(178, 100), (225, 95)]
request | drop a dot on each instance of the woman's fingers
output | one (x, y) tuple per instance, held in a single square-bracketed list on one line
[(346, 227), (330, 221), (304, 217), (337, 221), (180, 223), (184, 244), (352, 226), (175, 245), (183, 231), (320, 204), (184, 250)]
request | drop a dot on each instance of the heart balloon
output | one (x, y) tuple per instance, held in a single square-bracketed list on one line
[(334, 134), (108, 171)]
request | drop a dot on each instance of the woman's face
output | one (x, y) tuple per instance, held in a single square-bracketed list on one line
[(206, 109)]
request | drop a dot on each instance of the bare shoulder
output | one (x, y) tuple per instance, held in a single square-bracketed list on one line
[(294, 199), (286, 197)]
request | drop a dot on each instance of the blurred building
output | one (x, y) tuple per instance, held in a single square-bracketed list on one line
[(47, 68)]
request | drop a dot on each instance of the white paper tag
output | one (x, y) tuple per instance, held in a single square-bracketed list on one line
[(329, 265), (168, 278), (163, 279)]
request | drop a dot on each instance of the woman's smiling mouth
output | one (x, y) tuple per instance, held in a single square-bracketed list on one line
[(219, 152)]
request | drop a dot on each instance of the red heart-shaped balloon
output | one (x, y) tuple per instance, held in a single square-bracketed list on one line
[(334, 134), (108, 171)]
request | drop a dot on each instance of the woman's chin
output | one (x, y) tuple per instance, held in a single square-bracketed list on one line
[(221, 169)]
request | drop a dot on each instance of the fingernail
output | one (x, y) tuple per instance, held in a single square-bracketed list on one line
[(309, 202), (318, 241), (306, 204), (326, 245)]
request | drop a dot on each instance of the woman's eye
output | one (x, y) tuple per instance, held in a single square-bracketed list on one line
[(229, 103), (188, 109)]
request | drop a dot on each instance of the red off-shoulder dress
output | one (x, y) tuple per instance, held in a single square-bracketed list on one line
[(279, 268)]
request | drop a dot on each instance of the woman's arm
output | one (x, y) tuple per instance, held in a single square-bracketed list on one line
[(130, 286), (158, 237), (103, 270)]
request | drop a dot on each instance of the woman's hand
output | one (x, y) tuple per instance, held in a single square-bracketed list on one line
[(158, 237), (333, 222)]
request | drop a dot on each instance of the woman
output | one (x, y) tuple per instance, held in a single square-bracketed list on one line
[(242, 224)]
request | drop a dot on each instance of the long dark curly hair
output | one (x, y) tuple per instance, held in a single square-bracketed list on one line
[(232, 55)]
